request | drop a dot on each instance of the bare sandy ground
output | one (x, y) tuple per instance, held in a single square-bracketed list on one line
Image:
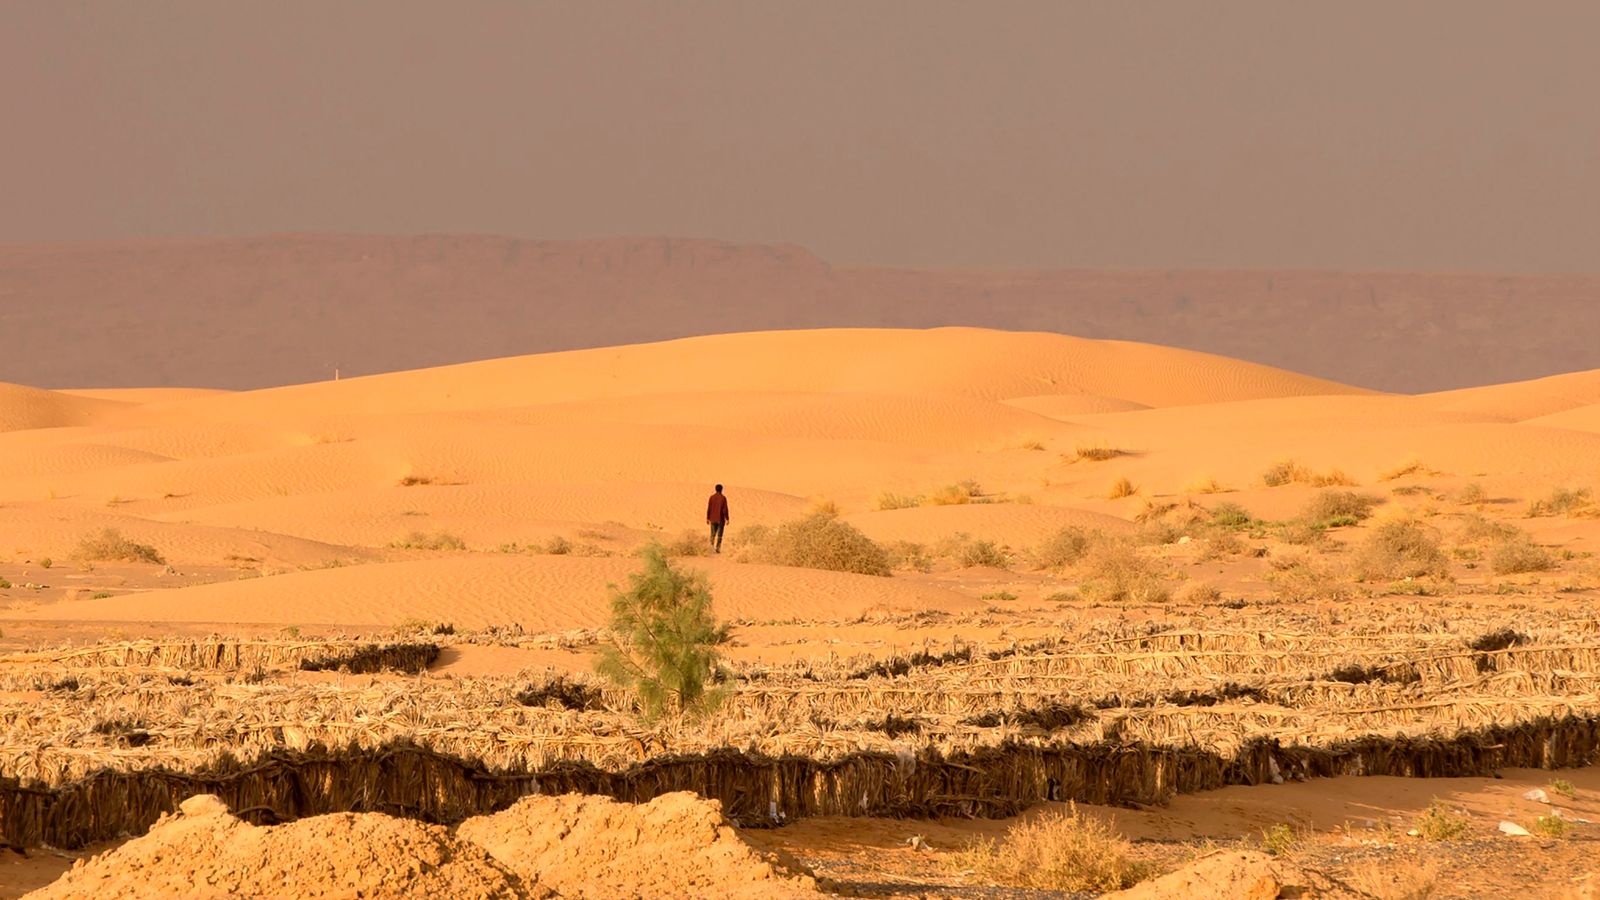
[(304, 507)]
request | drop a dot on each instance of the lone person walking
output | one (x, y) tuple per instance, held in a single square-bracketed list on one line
[(717, 518)]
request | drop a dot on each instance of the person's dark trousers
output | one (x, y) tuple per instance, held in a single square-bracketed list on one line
[(716, 535)]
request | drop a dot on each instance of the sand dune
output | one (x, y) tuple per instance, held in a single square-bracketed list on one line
[(607, 449), (23, 408)]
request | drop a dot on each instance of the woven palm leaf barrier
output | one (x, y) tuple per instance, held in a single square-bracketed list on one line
[(405, 779), (228, 655)]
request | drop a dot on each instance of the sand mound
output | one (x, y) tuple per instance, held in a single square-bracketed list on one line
[(206, 852), (677, 845), (22, 408), (1232, 875)]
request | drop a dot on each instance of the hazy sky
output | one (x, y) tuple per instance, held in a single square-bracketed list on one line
[(1453, 134)]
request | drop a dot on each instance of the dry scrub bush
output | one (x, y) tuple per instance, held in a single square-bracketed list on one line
[(1096, 453), (1561, 502), (1279, 840), (110, 546), (1120, 488), (822, 542), (958, 494), (1301, 579), (1519, 555), (1291, 471), (1472, 495), (1476, 529), (1205, 485), (439, 540), (1395, 879), (1199, 593), (1054, 852), (1064, 548), (822, 506), (689, 542), (908, 555), (664, 639), (1231, 515), (1114, 571), (1400, 549), (1550, 826), (1302, 533), (1411, 467), (890, 500), (984, 554), (1440, 823), (1334, 508)]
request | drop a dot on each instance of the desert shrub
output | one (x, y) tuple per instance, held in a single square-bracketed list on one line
[(1472, 495), (822, 542), (1561, 502), (1122, 487), (1153, 511), (439, 540), (1114, 571), (998, 595), (664, 639), (984, 554), (1279, 840), (1057, 852), (1563, 788), (890, 500), (1477, 529), (110, 546), (908, 555), (1231, 515), (1158, 534), (558, 546), (822, 506), (1440, 823), (1302, 534), (1551, 826), (958, 494), (1516, 555), (1096, 453), (46, 563), (1291, 471), (1284, 472), (1330, 506), (1064, 548), (1400, 549), (689, 542), (1031, 445), (1199, 593), (749, 536), (415, 480), (5, 585), (1301, 579)]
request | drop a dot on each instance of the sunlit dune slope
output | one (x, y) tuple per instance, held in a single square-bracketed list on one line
[(24, 408)]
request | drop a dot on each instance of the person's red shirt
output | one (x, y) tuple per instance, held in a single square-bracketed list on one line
[(717, 509)]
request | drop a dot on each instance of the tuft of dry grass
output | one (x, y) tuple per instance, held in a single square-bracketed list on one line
[(1054, 852), (1410, 467), (1199, 593), (1472, 495), (1121, 488), (822, 506), (891, 500), (1291, 471), (958, 494), (1096, 453), (110, 546), (1205, 485), (1302, 579), (1395, 879), (438, 540), (1550, 826), (415, 480)]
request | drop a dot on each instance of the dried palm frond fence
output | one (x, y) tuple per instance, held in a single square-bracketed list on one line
[(232, 655), (405, 779)]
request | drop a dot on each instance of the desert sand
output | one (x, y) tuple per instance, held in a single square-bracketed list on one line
[(508, 495)]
